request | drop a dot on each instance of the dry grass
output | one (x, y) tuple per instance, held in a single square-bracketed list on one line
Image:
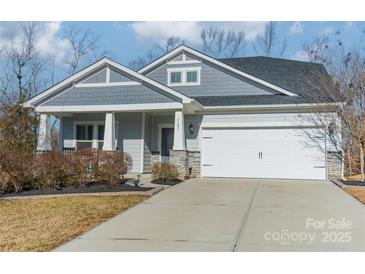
[(356, 177), (358, 193), (45, 223)]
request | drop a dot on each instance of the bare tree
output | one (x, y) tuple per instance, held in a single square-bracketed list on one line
[(344, 123), (84, 45), (156, 51), (168, 45), (22, 66), (270, 44), (221, 43)]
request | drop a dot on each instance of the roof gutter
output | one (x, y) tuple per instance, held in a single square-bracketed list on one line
[(277, 106)]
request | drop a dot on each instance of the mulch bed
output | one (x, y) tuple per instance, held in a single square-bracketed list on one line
[(353, 183), (166, 183), (95, 188)]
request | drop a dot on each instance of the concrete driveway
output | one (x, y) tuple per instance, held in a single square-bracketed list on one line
[(235, 215)]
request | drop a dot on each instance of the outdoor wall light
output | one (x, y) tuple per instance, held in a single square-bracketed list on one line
[(331, 128), (191, 129)]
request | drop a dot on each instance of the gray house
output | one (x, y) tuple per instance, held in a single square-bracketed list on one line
[(238, 117)]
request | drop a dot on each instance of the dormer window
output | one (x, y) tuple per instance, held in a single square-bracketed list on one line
[(192, 76), (175, 77), (183, 76)]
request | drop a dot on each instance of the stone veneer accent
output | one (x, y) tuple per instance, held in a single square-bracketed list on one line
[(194, 163), (180, 159), (334, 165), (185, 160)]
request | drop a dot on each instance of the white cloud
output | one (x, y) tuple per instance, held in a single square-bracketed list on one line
[(297, 27), (159, 31), (327, 31), (349, 25), (152, 31), (47, 39), (300, 55)]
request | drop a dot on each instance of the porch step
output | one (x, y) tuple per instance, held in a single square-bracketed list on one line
[(134, 175)]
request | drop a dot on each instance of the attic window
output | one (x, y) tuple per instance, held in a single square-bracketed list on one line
[(175, 77), (191, 76), (183, 76)]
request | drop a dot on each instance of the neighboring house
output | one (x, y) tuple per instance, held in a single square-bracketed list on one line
[(238, 117)]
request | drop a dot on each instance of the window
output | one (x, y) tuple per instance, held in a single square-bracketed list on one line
[(100, 133), (175, 77), (191, 76), (184, 76), (84, 132)]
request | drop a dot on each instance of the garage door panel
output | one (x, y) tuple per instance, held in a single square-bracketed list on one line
[(285, 154)]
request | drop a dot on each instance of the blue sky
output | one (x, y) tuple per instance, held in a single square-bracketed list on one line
[(124, 41)]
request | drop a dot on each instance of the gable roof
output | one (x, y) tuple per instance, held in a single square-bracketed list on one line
[(217, 62), (296, 76), (300, 77), (96, 66)]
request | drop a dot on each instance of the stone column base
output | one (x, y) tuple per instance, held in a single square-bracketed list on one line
[(187, 163), (334, 165)]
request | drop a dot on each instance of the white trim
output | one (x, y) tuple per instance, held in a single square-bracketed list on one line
[(91, 123), (259, 124), (91, 75), (184, 72), (142, 140), (110, 84), (276, 106), (160, 126), (187, 62), (109, 108), (103, 62), (216, 62), (107, 75)]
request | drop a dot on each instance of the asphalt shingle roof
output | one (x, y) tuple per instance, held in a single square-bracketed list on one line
[(301, 78)]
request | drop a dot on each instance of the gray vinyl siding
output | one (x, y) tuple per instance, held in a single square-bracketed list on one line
[(178, 58), (147, 144), (139, 94), (213, 82), (128, 133), (99, 77), (67, 132), (129, 137), (118, 77), (192, 141)]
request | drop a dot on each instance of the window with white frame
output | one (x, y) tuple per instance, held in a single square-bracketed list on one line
[(183, 76), (175, 77), (192, 76), (84, 132)]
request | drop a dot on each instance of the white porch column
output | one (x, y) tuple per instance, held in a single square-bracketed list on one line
[(44, 133), (95, 141), (109, 132), (179, 131)]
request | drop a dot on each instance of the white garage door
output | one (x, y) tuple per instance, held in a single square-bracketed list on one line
[(261, 153)]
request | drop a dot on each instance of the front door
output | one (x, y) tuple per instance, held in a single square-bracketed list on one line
[(167, 142)]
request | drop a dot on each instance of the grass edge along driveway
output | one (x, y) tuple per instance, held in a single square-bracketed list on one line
[(45, 223)]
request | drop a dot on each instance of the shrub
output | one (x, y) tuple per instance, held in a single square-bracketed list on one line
[(51, 169), (111, 166), (82, 164), (16, 171), (164, 172)]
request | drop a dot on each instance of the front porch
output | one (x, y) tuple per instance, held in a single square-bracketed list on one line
[(147, 137)]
